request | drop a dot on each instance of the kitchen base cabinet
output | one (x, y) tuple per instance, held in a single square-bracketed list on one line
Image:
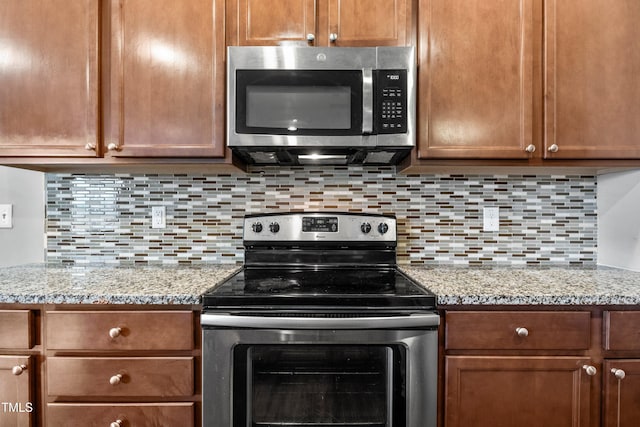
[(490, 391), (16, 397), (139, 414), (506, 368), (621, 368), (17, 377), (622, 392), (135, 365)]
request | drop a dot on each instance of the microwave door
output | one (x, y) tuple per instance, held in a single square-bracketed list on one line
[(367, 101)]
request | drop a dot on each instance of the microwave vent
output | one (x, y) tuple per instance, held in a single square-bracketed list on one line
[(265, 157), (379, 157)]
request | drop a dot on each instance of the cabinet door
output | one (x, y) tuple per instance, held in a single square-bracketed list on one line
[(621, 393), (475, 78), (49, 77), (516, 391), (15, 391), (270, 22), (592, 94), (365, 22), (167, 78)]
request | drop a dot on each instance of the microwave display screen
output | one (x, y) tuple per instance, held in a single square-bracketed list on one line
[(299, 107)]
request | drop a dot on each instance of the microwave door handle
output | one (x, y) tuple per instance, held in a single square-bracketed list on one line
[(367, 101)]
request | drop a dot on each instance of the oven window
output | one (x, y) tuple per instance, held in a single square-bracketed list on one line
[(299, 102), (330, 385)]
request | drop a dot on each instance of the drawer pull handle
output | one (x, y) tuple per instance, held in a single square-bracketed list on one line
[(116, 423), (18, 369), (115, 380), (618, 373), (590, 370), (115, 332), (522, 332)]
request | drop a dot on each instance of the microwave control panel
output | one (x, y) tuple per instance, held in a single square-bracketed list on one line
[(390, 101)]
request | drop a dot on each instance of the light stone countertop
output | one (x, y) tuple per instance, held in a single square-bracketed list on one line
[(529, 286), (42, 284)]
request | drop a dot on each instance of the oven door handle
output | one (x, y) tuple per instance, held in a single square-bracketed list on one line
[(421, 320)]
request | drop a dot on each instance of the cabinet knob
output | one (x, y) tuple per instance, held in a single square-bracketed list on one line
[(311, 37), (333, 37), (90, 146), (115, 380), (618, 373), (522, 332), (113, 147), (116, 423), (530, 148), (115, 332), (553, 148), (590, 370), (18, 369)]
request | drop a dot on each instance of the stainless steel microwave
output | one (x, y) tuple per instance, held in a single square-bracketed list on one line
[(290, 105)]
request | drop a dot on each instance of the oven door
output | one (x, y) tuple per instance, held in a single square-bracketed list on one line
[(275, 376)]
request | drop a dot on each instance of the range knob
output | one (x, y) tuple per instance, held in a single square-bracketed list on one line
[(383, 228), (256, 227), (274, 227), (365, 227)]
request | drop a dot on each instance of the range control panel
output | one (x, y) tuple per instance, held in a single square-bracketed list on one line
[(319, 226), (390, 101)]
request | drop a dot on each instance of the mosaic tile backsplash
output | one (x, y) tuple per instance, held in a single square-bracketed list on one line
[(106, 219)]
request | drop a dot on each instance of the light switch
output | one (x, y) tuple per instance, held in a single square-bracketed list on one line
[(6, 216)]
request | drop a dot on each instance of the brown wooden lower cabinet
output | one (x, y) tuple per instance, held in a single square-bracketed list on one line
[(622, 393), (491, 391), (16, 397), (128, 415), (120, 376), (121, 367)]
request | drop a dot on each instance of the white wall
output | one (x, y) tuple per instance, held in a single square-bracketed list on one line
[(619, 220), (25, 190)]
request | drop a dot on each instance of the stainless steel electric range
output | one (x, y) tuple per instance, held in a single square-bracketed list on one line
[(319, 328)]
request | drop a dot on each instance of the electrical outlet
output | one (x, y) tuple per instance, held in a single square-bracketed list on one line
[(6, 216), (158, 217), (491, 218)]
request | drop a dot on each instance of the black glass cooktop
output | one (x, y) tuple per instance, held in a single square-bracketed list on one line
[(340, 288)]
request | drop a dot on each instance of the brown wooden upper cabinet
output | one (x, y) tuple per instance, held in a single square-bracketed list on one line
[(319, 22), (166, 79), (49, 78), (475, 79), (592, 85)]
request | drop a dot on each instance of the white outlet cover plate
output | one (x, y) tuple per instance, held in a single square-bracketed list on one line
[(491, 218), (6, 216), (158, 217)]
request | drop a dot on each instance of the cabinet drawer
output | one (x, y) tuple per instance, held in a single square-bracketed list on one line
[(119, 330), (120, 376), (15, 329), (622, 330), (516, 330), (138, 414)]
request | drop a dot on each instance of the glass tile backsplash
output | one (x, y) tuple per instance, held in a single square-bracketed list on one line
[(106, 219)]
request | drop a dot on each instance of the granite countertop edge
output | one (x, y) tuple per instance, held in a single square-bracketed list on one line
[(529, 286), (137, 285)]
